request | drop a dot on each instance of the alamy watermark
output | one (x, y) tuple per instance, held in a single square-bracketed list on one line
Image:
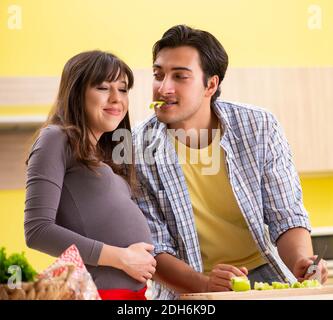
[(174, 146), (15, 280), (14, 21), (315, 17)]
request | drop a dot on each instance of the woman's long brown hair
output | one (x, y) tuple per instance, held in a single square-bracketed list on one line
[(91, 68)]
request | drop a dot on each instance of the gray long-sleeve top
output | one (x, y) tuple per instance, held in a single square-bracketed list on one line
[(66, 203)]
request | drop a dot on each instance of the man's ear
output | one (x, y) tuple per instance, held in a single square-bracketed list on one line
[(212, 85)]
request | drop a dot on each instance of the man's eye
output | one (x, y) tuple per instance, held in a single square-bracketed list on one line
[(123, 90), (102, 88), (181, 76)]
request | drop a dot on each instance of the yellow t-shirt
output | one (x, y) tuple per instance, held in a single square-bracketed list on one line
[(223, 233)]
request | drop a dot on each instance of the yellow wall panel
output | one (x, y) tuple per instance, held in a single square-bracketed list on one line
[(12, 231), (24, 110), (255, 33), (318, 199)]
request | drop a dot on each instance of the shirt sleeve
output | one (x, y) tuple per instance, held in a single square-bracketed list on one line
[(281, 189), (45, 176)]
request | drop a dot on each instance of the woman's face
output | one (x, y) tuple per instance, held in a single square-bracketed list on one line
[(106, 105)]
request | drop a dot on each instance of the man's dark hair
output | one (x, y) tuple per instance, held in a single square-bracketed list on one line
[(213, 57)]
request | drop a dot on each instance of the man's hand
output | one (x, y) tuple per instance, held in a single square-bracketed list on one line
[(220, 277), (302, 265)]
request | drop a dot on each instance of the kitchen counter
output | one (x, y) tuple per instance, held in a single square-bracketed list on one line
[(323, 293)]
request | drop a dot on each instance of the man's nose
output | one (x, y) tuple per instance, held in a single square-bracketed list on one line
[(166, 87)]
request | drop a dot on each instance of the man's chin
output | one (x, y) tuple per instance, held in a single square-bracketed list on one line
[(167, 119), (163, 118)]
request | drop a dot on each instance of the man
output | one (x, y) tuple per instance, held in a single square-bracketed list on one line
[(244, 218)]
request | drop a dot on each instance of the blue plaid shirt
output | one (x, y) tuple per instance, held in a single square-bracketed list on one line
[(262, 176)]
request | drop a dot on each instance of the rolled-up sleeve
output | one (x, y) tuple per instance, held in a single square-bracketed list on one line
[(282, 194)]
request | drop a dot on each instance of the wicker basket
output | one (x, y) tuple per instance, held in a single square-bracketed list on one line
[(44, 289)]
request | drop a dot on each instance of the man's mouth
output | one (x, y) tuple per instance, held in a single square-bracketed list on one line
[(168, 104)]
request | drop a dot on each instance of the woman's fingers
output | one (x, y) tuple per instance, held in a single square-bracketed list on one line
[(147, 246), (152, 270), (154, 262), (147, 276)]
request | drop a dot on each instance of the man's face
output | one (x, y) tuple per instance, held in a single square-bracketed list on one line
[(178, 80)]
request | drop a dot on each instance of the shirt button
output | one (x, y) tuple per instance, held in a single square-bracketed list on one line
[(266, 252), (236, 189), (286, 280), (252, 220)]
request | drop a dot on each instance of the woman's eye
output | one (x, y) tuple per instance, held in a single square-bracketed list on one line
[(123, 90), (157, 76), (102, 88)]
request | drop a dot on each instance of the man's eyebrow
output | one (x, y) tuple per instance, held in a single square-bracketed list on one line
[(157, 66)]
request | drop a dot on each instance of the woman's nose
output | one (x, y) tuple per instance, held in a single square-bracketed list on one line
[(114, 96)]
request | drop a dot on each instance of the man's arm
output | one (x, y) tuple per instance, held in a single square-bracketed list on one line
[(294, 245), (298, 242), (178, 275)]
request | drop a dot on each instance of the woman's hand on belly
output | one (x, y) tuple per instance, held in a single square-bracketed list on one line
[(136, 260)]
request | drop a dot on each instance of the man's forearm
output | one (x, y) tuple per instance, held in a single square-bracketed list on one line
[(178, 275), (293, 245)]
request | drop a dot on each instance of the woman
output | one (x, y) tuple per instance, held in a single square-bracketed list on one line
[(76, 193)]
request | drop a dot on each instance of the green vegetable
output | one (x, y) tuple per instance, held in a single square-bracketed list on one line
[(310, 283), (243, 284), (240, 284), (2, 265), (296, 285), (157, 104), (27, 272), (280, 285), (262, 286)]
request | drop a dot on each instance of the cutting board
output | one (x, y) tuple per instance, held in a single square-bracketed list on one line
[(321, 293)]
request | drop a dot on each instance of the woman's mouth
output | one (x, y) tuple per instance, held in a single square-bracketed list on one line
[(112, 111)]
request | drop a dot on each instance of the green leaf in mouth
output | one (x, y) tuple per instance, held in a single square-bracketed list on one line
[(157, 104)]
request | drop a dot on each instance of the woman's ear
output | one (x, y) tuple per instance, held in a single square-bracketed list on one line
[(212, 85)]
